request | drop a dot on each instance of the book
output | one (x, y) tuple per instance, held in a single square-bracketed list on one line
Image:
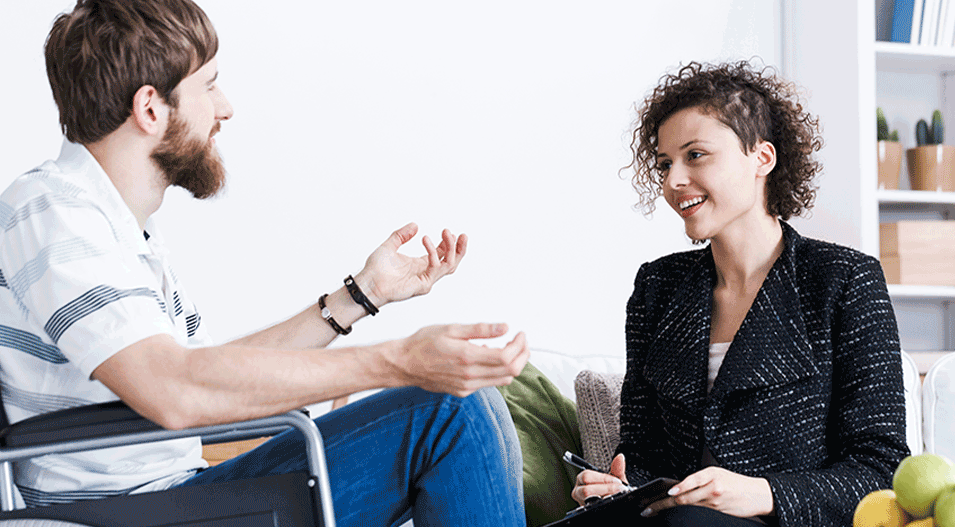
[(940, 26), (929, 23), (940, 23), (918, 7), (902, 20), (946, 24)]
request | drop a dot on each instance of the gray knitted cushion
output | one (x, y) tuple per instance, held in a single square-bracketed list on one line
[(598, 412)]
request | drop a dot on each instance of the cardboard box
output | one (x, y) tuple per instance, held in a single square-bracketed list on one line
[(917, 238), (918, 271), (918, 252)]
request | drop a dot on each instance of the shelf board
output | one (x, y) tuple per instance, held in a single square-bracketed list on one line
[(916, 196), (910, 58), (923, 292)]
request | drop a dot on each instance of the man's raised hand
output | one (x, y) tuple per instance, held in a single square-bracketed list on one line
[(389, 276)]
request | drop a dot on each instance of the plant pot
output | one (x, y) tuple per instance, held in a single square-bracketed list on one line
[(890, 164), (932, 167)]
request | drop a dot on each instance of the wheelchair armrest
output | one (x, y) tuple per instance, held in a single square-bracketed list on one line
[(114, 424), (102, 420), (83, 422)]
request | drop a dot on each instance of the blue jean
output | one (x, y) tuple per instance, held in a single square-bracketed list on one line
[(406, 453)]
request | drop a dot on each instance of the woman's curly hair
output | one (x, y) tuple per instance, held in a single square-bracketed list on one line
[(757, 106)]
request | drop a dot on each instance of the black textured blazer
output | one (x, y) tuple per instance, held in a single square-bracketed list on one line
[(809, 395)]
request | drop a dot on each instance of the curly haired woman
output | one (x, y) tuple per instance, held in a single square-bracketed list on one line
[(763, 370)]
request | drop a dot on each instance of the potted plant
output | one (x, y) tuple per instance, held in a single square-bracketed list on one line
[(931, 164), (890, 152)]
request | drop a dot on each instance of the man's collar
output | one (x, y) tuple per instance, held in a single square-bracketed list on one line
[(86, 173)]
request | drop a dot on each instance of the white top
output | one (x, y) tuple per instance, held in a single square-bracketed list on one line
[(717, 354), (79, 282)]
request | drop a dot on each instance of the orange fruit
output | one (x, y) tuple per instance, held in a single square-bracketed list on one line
[(879, 509)]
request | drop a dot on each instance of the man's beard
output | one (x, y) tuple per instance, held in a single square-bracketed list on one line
[(189, 162)]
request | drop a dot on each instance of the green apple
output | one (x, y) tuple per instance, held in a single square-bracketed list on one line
[(919, 480), (945, 508)]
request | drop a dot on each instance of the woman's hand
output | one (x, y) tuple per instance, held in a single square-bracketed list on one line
[(722, 490), (391, 277), (596, 484)]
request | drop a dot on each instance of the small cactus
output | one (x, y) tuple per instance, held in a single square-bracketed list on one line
[(921, 133), (938, 129), (882, 127), (930, 135)]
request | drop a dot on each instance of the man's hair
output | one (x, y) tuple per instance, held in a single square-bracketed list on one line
[(757, 106), (102, 52)]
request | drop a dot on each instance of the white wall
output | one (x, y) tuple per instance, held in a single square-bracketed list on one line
[(505, 120), (830, 53)]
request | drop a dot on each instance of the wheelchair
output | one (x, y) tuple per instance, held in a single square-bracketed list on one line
[(301, 499)]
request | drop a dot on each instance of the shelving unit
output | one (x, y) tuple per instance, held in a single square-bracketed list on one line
[(833, 50), (911, 81)]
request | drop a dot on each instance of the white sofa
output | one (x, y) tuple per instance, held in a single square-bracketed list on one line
[(938, 407), (935, 432)]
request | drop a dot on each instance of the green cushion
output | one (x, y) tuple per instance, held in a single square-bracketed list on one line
[(546, 424)]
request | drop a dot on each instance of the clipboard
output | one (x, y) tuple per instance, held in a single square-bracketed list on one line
[(621, 506)]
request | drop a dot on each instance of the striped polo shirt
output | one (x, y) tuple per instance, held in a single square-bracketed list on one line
[(80, 281)]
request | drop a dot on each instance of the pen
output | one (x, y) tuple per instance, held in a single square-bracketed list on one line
[(578, 461), (583, 464)]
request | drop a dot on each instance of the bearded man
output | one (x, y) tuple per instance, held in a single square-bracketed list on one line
[(92, 312)]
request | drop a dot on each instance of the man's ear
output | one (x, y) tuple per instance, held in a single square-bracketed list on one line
[(150, 111), (765, 158)]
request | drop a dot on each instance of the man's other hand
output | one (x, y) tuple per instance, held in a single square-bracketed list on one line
[(442, 358)]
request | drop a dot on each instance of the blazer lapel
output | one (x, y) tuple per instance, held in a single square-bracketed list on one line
[(772, 345), (676, 357)]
